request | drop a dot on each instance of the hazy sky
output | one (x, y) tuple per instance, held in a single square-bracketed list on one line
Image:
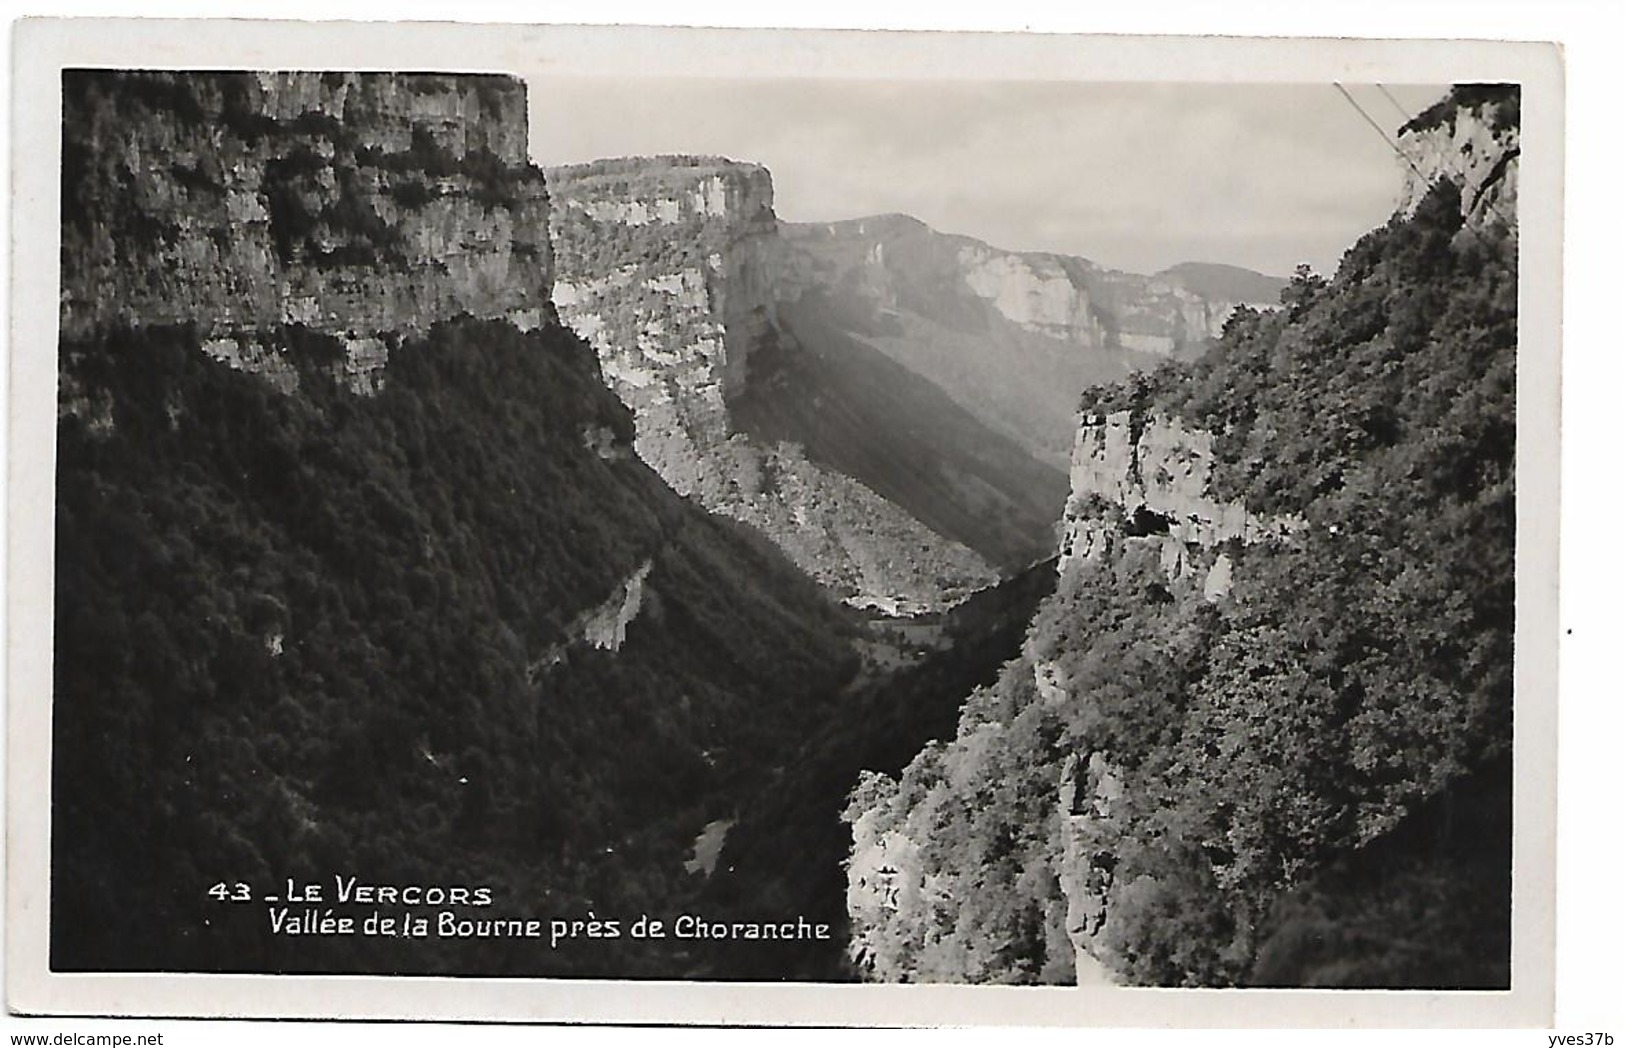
[(1134, 176)]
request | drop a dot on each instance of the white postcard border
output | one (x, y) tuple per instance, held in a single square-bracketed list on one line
[(44, 47)]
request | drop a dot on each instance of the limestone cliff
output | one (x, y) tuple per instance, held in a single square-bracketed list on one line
[(873, 365), (363, 206), (1471, 138), (1146, 476), (669, 267), (1011, 336), (659, 269), (366, 206)]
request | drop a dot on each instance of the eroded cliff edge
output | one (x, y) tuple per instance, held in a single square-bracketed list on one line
[(366, 206)]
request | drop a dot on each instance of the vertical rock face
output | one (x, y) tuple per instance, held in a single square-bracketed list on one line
[(462, 114), (1471, 138), (360, 205), (661, 269), (670, 267), (1090, 792), (1148, 479)]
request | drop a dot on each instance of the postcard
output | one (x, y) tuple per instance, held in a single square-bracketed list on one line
[(617, 524)]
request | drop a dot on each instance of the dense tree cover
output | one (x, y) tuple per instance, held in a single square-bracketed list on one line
[(319, 634), (1276, 752)]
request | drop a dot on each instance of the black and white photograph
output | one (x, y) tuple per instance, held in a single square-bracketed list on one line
[(734, 528)]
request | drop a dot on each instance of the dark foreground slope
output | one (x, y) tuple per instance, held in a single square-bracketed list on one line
[(325, 635), (358, 580), (1300, 780)]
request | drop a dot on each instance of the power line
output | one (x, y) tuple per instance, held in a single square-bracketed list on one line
[(1379, 130), (1395, 101), (1393, 145)]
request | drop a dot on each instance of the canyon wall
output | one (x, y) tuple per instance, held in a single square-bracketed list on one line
[(366, 206), (1146, 476), (254, 209), (839, 385), (1140, 495), (453, 626), (659, 267)]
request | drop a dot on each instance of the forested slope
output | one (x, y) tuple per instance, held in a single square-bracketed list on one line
[(325, 634), (1301, 776)]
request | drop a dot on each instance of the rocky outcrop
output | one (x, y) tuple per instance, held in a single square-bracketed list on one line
[(1148, 479), (1090, 792), (365, 206), (888, 886), (670, 268), (884, 882), (1137, 480), (604, 627), (1470, 138)]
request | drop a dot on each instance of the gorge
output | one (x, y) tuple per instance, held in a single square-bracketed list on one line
[(589, 534)]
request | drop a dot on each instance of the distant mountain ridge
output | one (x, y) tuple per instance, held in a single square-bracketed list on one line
[(1221, 281), (1013, 337)]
